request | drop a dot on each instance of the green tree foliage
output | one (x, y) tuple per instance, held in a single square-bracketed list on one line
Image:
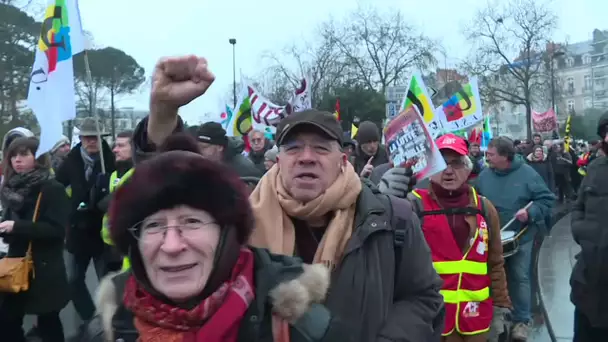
[(356, 102), (584, 126), (114, 74), (18, 36)]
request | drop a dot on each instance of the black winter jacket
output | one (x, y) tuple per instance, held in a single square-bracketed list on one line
[(84, 232), (48, 290), (590, 273), (143, 149)]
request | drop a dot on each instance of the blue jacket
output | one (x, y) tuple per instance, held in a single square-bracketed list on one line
[(511, 189)]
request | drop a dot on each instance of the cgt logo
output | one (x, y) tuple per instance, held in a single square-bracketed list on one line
[(471, 310), (450, 141)]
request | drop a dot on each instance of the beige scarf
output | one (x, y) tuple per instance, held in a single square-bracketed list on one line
[(273, 208)]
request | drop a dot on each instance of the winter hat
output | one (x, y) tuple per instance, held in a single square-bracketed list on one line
[(367, 132), (602, 126), (15, 133), (348, 142), (212, 133), (63, 141), (272, 154), (183, 177)]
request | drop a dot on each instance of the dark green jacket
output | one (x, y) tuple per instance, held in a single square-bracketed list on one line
[(315, 325)]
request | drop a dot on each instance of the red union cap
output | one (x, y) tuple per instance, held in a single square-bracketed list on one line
[(454, 143)]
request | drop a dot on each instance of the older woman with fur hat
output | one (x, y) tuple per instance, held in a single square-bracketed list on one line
[(184, 222)]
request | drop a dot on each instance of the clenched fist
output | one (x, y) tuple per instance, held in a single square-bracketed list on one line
[(179, 80)]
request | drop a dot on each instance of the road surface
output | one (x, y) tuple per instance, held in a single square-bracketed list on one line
[(555, 264), (70, 319)]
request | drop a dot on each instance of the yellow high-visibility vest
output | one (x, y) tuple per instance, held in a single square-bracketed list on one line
[(68, 189), (115, 183), (466, 291)]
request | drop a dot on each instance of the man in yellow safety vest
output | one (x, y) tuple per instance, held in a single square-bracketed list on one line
[(124, 169)]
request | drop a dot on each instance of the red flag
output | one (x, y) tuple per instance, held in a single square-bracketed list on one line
[(337, 112), (475, 136)]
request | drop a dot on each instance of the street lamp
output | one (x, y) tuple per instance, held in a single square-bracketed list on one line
[(232, 41), (554, 55)]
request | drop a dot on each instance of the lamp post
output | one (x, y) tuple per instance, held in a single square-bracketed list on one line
[(232, 41), (554, 55)]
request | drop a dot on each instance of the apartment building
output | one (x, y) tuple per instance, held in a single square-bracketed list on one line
[(582, 72)]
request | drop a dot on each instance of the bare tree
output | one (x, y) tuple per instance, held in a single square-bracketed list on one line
[(321, 62), (509, 52), (89, 95), (380, 48)]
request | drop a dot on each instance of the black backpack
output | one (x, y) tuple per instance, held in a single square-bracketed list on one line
[(400, 211)]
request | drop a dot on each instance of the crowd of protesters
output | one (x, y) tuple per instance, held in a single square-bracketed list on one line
[(330, 242)]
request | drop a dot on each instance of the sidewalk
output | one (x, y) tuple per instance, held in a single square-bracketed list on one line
[(556, 260)]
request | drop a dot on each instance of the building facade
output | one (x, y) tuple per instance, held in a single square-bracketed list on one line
[(583, 73)]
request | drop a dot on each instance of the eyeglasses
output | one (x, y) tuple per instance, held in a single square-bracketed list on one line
[(155, 230), (256, 140), (456, 164)]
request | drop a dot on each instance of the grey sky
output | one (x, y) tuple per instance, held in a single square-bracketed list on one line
[(202, 27)]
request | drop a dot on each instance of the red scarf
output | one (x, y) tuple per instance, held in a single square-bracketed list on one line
[(216, 319)]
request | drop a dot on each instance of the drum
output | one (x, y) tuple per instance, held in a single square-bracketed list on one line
[(510, 245)]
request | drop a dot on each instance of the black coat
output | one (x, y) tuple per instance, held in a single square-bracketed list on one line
[(544, 168), (84, 233), (590, 273), (242, 165), (361, 158), (49, 285)]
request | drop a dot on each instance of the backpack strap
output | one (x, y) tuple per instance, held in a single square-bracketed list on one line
[(399, 212)]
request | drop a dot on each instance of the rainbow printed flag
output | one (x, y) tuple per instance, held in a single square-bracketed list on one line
[(417, 95), (463, 109), (51, 92)]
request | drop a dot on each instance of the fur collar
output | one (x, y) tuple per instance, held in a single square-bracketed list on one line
[(531, 158), (290, 299)]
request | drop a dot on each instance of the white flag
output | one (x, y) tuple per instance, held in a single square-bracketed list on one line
[(51, 93), (75, 137)]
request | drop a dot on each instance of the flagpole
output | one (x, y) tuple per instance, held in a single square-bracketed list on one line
[(94, 108)]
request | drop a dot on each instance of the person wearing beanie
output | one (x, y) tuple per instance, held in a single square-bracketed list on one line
[(370, 153), (184, 221), (270, 157), (215, 145), (589, 217), (59, 151), (14, 133)]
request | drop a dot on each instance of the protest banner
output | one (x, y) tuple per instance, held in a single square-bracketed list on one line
[(411, 145)]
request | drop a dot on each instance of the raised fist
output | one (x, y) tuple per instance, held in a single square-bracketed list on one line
[(179, 80)]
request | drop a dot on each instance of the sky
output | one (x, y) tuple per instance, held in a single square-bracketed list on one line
[(202, 27)]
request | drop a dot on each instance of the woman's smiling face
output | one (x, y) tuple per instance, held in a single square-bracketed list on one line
[(178, 248)]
